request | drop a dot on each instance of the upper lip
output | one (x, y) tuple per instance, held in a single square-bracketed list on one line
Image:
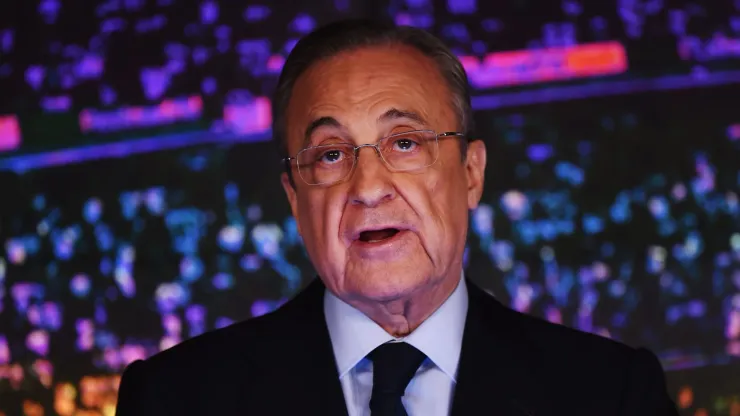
[(355, 235)]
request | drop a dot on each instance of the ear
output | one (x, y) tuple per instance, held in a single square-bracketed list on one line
[(290, 192), (475, 168)]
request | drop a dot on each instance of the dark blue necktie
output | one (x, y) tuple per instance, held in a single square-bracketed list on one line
[(394, 365)]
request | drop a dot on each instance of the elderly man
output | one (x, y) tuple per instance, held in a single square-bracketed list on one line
[(381, 171)]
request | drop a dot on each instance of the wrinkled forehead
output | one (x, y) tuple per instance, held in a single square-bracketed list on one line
[(356, 88)]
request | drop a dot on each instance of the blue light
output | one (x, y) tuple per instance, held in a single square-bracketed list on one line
[(231, 192), (569, 173), (191, 268), (39, 202), (592, 224), (93, 210), (104, 237), (620, 211)]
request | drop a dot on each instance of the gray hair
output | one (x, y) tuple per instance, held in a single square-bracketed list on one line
[(346, 35)]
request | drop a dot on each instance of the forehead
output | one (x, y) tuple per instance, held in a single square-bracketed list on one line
[(360, 85)]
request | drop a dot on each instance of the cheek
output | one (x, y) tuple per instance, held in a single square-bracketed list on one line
[(427, 197), (308, 208), (446, 201), (320, 215)]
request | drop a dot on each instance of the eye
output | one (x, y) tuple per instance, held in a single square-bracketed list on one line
[(331, 156), (406, 143)]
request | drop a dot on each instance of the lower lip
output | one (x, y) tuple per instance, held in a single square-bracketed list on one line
[(383, 248)]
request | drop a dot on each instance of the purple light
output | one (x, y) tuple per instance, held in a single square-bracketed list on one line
[(35, 75), (303, 24), (733, 132), (200, 55), (52, 316), (250, 262), (195, 314), (34, 315), (539, 152), (155, 82), (222, 322), (248, 118), (170, 295), (38, 342), (260, 308), (254, 212), (22, 293), (131, 353), (125, 281), (171, 324), (673, 314), (101, 315), (89, 67), (6, 40), (208, 12), (208, 86), (223, 281), (115, 24), (462, 6), (84, 326), (696, 308), (4, 350), (10, 133), (57, 104), (49, 10), (256, 13)]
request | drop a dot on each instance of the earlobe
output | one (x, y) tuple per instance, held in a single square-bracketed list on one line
[(475, 170)]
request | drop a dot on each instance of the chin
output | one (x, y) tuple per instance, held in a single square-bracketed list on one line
[(387, 282)]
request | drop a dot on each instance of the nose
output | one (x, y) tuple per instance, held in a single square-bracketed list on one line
[(371, 181)]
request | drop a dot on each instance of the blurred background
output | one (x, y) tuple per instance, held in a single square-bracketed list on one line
[(140, 203)]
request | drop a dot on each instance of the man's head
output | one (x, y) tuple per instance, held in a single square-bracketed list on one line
[(377, 228)]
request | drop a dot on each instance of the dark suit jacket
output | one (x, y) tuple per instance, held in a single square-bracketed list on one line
[(282, 363)]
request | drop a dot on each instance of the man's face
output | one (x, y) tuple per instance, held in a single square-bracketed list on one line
[(371, 93)]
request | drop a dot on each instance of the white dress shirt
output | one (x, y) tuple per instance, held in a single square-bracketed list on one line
[(354, 335)]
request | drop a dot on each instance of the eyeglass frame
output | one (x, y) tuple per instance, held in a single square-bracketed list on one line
[(356, 154)]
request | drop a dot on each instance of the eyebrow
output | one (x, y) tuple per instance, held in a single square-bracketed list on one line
[(396, 114), (390, 115), (319, 122)]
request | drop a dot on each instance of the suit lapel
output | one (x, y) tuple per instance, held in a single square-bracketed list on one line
[(320, 383), (497, 369), (301, 359)]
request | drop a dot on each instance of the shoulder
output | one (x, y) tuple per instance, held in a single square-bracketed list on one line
[(199, 358), (219, 350), (563, 341), (569, 364), (176, 379), (200, 372), (563, 350), (262, 337)]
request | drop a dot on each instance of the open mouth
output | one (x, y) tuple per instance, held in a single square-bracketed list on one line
[(375, 236)]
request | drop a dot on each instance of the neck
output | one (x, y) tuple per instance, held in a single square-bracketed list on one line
[(400, 317)]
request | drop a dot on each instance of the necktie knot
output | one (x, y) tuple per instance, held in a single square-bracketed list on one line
[(394, 365)]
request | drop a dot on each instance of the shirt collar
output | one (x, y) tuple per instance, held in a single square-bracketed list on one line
[(354, 335)]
